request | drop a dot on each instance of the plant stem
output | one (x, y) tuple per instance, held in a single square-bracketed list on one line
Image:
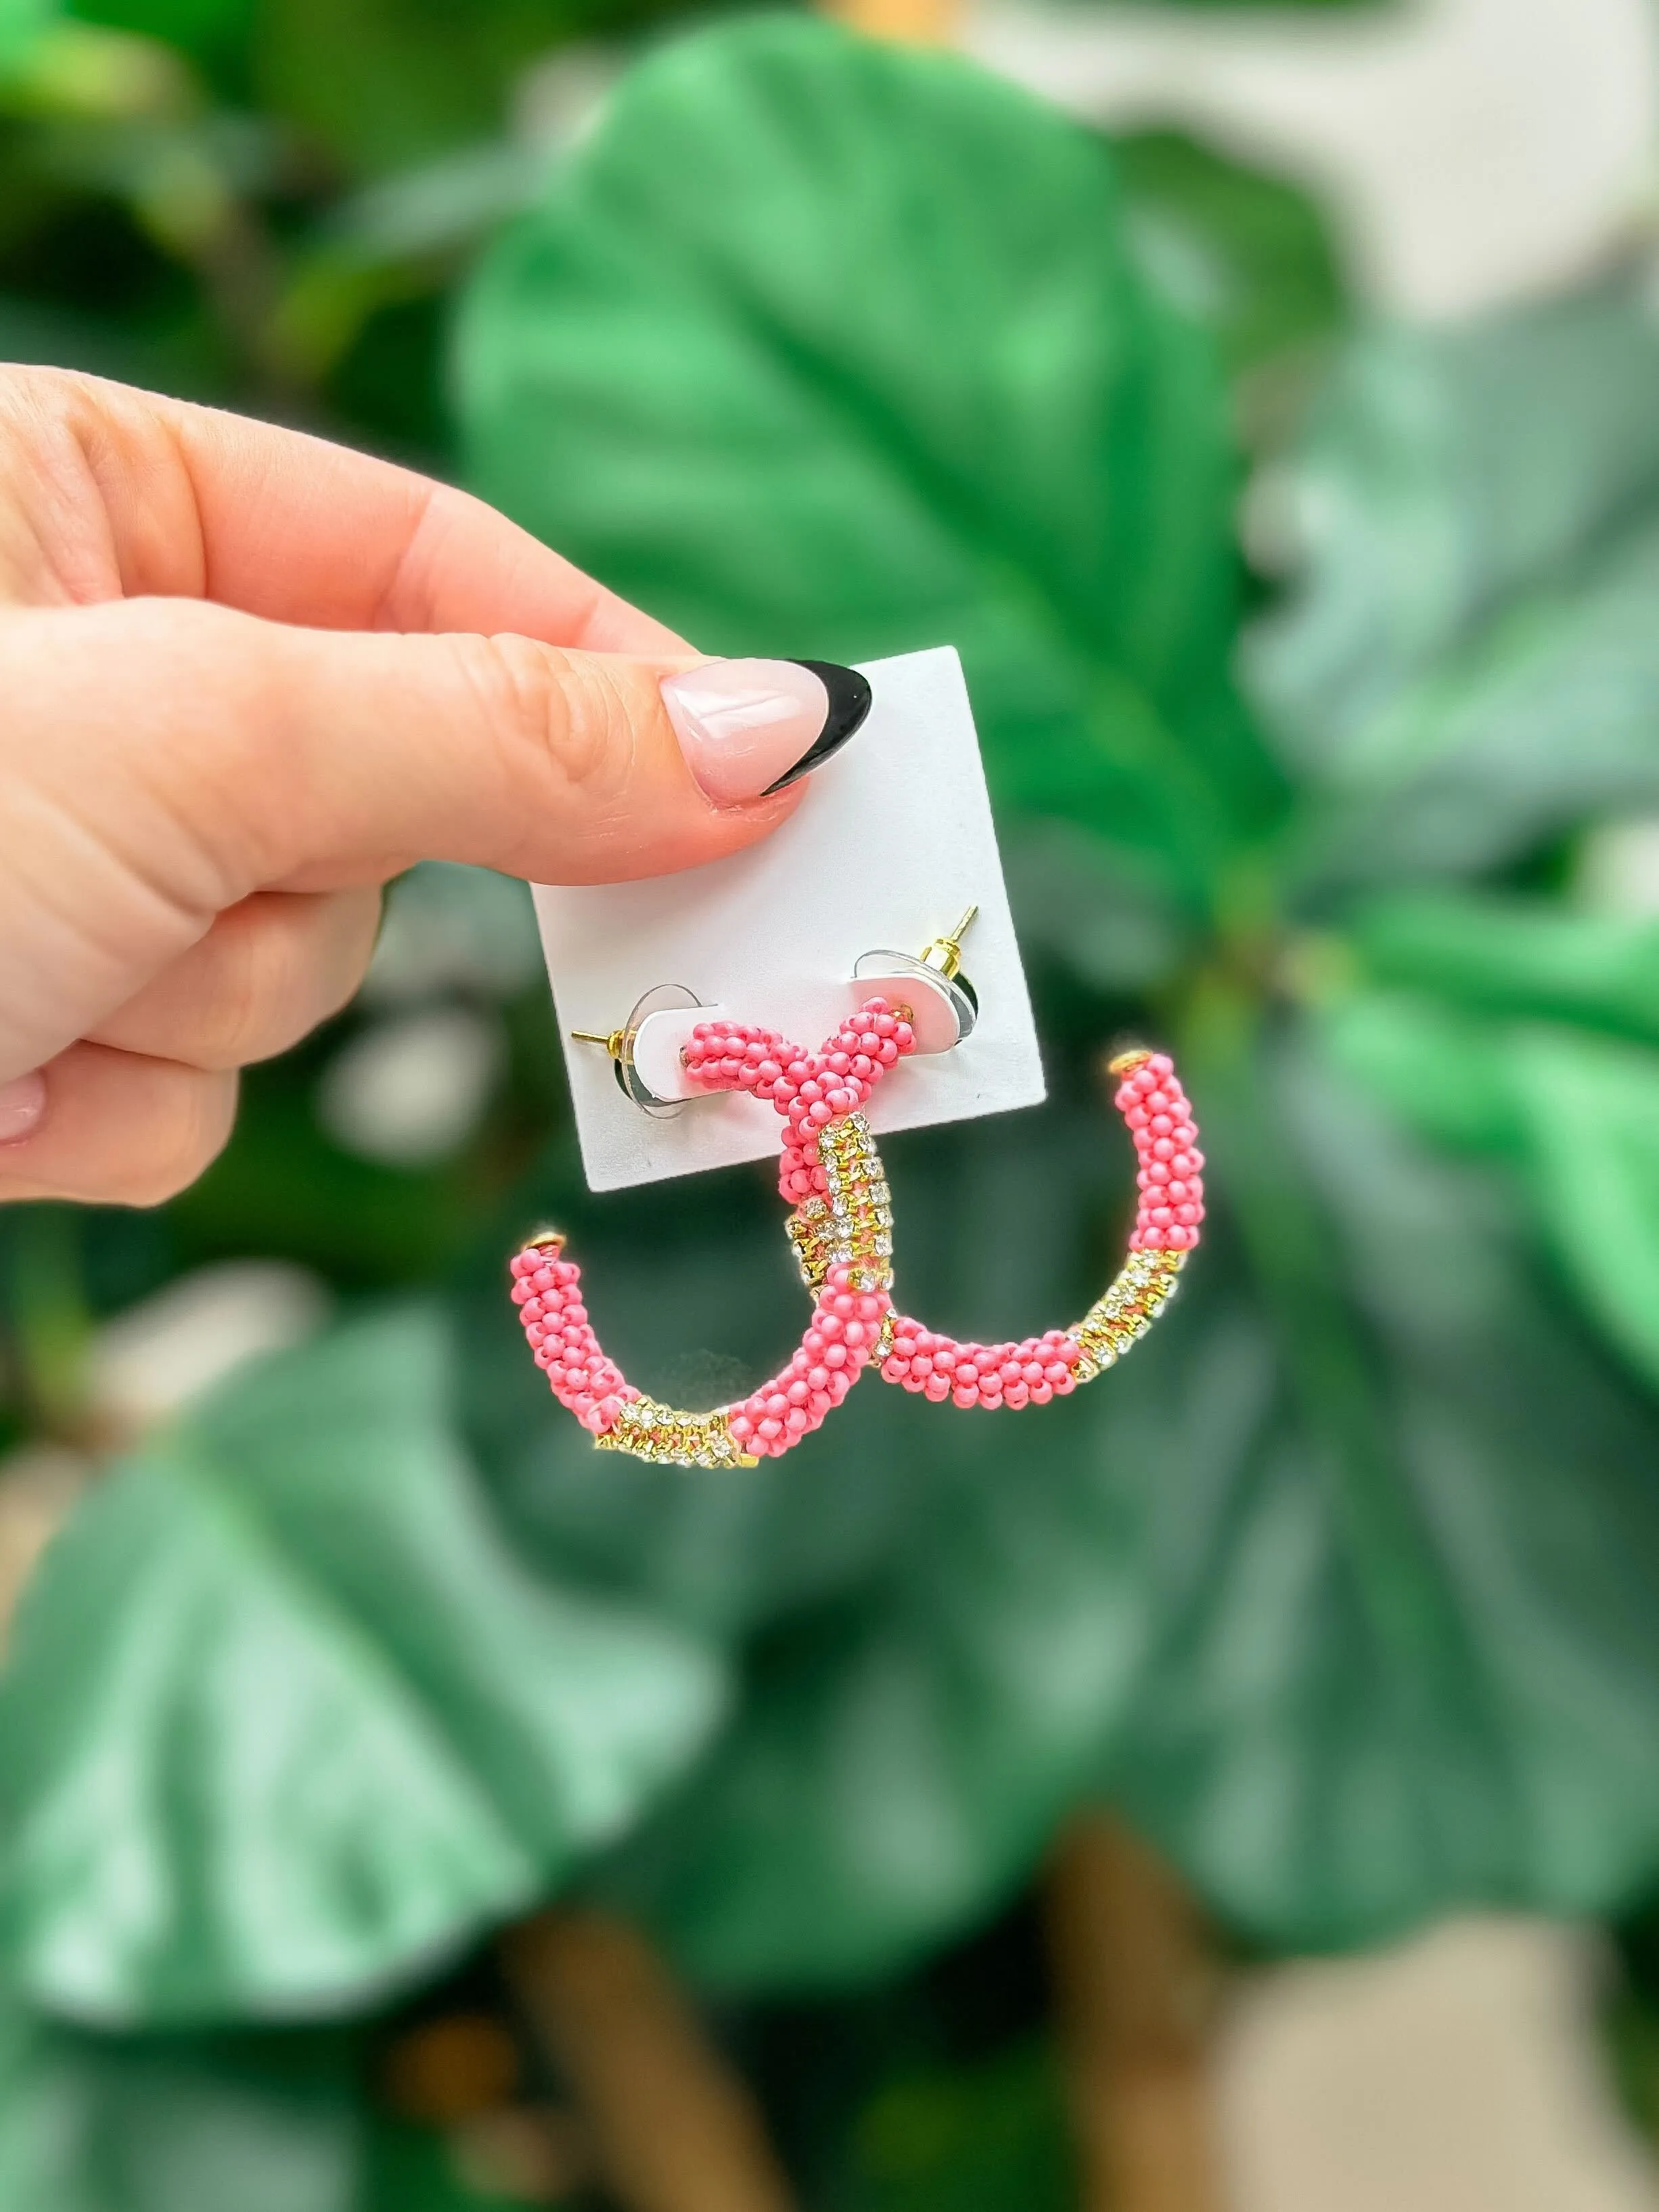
[(1135, 1989), (674, 2128)]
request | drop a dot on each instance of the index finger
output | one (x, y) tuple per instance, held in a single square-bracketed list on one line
[(197, 503)]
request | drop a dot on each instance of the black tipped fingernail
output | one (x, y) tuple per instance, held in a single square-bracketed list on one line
[(750, 727), (849, 703)]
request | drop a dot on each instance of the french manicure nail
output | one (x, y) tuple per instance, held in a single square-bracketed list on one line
[(750, 727), (22, 1102)]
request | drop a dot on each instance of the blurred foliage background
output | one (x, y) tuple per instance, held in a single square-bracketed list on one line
[(399, 1806)]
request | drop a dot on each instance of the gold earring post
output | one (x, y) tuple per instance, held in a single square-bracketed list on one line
[(613, 1043), (945, 953)]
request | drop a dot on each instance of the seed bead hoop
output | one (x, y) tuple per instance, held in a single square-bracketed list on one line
[(841, 1227), (1034, 1370)]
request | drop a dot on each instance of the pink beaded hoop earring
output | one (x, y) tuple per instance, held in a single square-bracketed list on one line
[(841, 1227), (1036, 1368)]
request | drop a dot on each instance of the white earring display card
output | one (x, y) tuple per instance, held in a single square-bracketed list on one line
[(892, 842)]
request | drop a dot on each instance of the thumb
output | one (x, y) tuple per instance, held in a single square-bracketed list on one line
[(562, 766), (315, 757)]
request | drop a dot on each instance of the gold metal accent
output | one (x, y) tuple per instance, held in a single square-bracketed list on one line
[(544, 1240), (647, 1430), (614, 1044), (1122, 1316), (1125, 1062), (945, 953), (852, 1226)]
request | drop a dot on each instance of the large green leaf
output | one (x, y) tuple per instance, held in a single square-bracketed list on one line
[(21, 22), (1516, 957), (900, 1762), (1235, 7), (230, 2122), (1439, 1070), (385, 83), (1323, 1766), (939, 1621), (917, 1718), (818, 346), (1544, 721), (1340, 1706), (1590, 1107), (213, 32), (1516, 1027), (1443, 472), (1574, 1114), (285, 1720), (1245, 252), (94, 2125), (1475, 515)]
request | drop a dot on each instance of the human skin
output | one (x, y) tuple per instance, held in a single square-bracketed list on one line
[(245, 677)]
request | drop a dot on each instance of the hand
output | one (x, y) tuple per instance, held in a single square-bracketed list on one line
[(246, 676)]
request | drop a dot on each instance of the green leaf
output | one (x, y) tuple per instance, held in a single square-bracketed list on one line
[(1474, 516), (259, 2123), (939, 1621), (415, 2169), (1328, 1774), (1248, 253), (1100, 913), (1441, 1072), (265, 2124), (215, 33), (1444, 472), (285, 1722), (1514, 957), (125, 350), (1591, 1113), (1234, 7), (1473, 767), (383, 85), (898, 1762), (820, 346), (1344, 1686), (21, 22)]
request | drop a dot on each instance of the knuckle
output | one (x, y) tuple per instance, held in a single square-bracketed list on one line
[(31, 395), (565, 711)]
